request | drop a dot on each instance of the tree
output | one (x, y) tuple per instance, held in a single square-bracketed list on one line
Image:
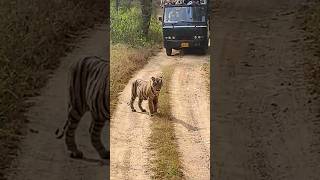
[(117, 5), (146, 10)]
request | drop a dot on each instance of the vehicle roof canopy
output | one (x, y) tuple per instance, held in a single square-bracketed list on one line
[(184, 3)]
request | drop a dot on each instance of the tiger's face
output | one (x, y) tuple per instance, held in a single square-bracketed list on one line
[(156, 84)]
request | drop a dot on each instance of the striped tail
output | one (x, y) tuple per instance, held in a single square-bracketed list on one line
[(133, 91), (134, 88)]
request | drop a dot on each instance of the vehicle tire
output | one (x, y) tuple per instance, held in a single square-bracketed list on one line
[(204, 51), (168, 51)]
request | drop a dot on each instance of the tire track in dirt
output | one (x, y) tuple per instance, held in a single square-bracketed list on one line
[(42, 155), (191, 110)]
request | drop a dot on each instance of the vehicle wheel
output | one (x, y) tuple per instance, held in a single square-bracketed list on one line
[(204, 51), (168, 51)]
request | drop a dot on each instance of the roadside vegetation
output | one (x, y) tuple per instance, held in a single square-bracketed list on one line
[(125, 60), (166, 164), (34, 35), (130, 46), (311, 25), (206, 74)]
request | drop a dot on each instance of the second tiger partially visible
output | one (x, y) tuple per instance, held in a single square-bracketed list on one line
[(88, 91)]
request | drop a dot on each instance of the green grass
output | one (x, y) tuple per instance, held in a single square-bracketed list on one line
[(130, 49), (126, 27), (166, 164)]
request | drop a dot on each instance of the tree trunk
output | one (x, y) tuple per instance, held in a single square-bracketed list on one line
[(146, 9), (129, 4), (117, 5)]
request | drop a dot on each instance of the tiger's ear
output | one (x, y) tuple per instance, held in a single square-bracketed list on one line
[(153, 78)]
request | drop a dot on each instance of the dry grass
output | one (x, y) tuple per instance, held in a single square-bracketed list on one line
[(124, 62), (166, 164), (206, 73), (34, 35), (130, 49), (311, 25)]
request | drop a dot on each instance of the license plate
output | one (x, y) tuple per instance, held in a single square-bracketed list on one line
[(184, 44)]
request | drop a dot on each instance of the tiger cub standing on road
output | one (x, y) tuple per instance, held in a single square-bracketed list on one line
[(146, 90), (88, 91)]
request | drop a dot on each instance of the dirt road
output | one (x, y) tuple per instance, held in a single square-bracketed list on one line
[(264, 120), (42, 155), (191, 109), (190, 106)]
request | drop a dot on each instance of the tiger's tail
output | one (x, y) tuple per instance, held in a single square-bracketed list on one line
[(133, 91), (60, 135)]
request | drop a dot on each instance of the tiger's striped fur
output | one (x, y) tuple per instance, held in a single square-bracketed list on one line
[(146, 90), (88, 91)]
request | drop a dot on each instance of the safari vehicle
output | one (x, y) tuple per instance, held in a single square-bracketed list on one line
[(185, 26)]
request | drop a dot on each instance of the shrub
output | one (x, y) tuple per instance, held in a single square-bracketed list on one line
[(126, 28)]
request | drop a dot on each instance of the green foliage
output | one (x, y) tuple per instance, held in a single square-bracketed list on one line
[(126, 28), (155, 30)]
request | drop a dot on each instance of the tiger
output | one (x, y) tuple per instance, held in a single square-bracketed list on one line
[(146, 90), (88, 91)]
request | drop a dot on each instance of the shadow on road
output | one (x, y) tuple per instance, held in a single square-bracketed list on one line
[(95, 161), (190, 51), (186, 125)]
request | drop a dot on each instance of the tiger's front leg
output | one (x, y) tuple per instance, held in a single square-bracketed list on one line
[(155, 104), (131, 103), (151, 106), (140, 105)]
